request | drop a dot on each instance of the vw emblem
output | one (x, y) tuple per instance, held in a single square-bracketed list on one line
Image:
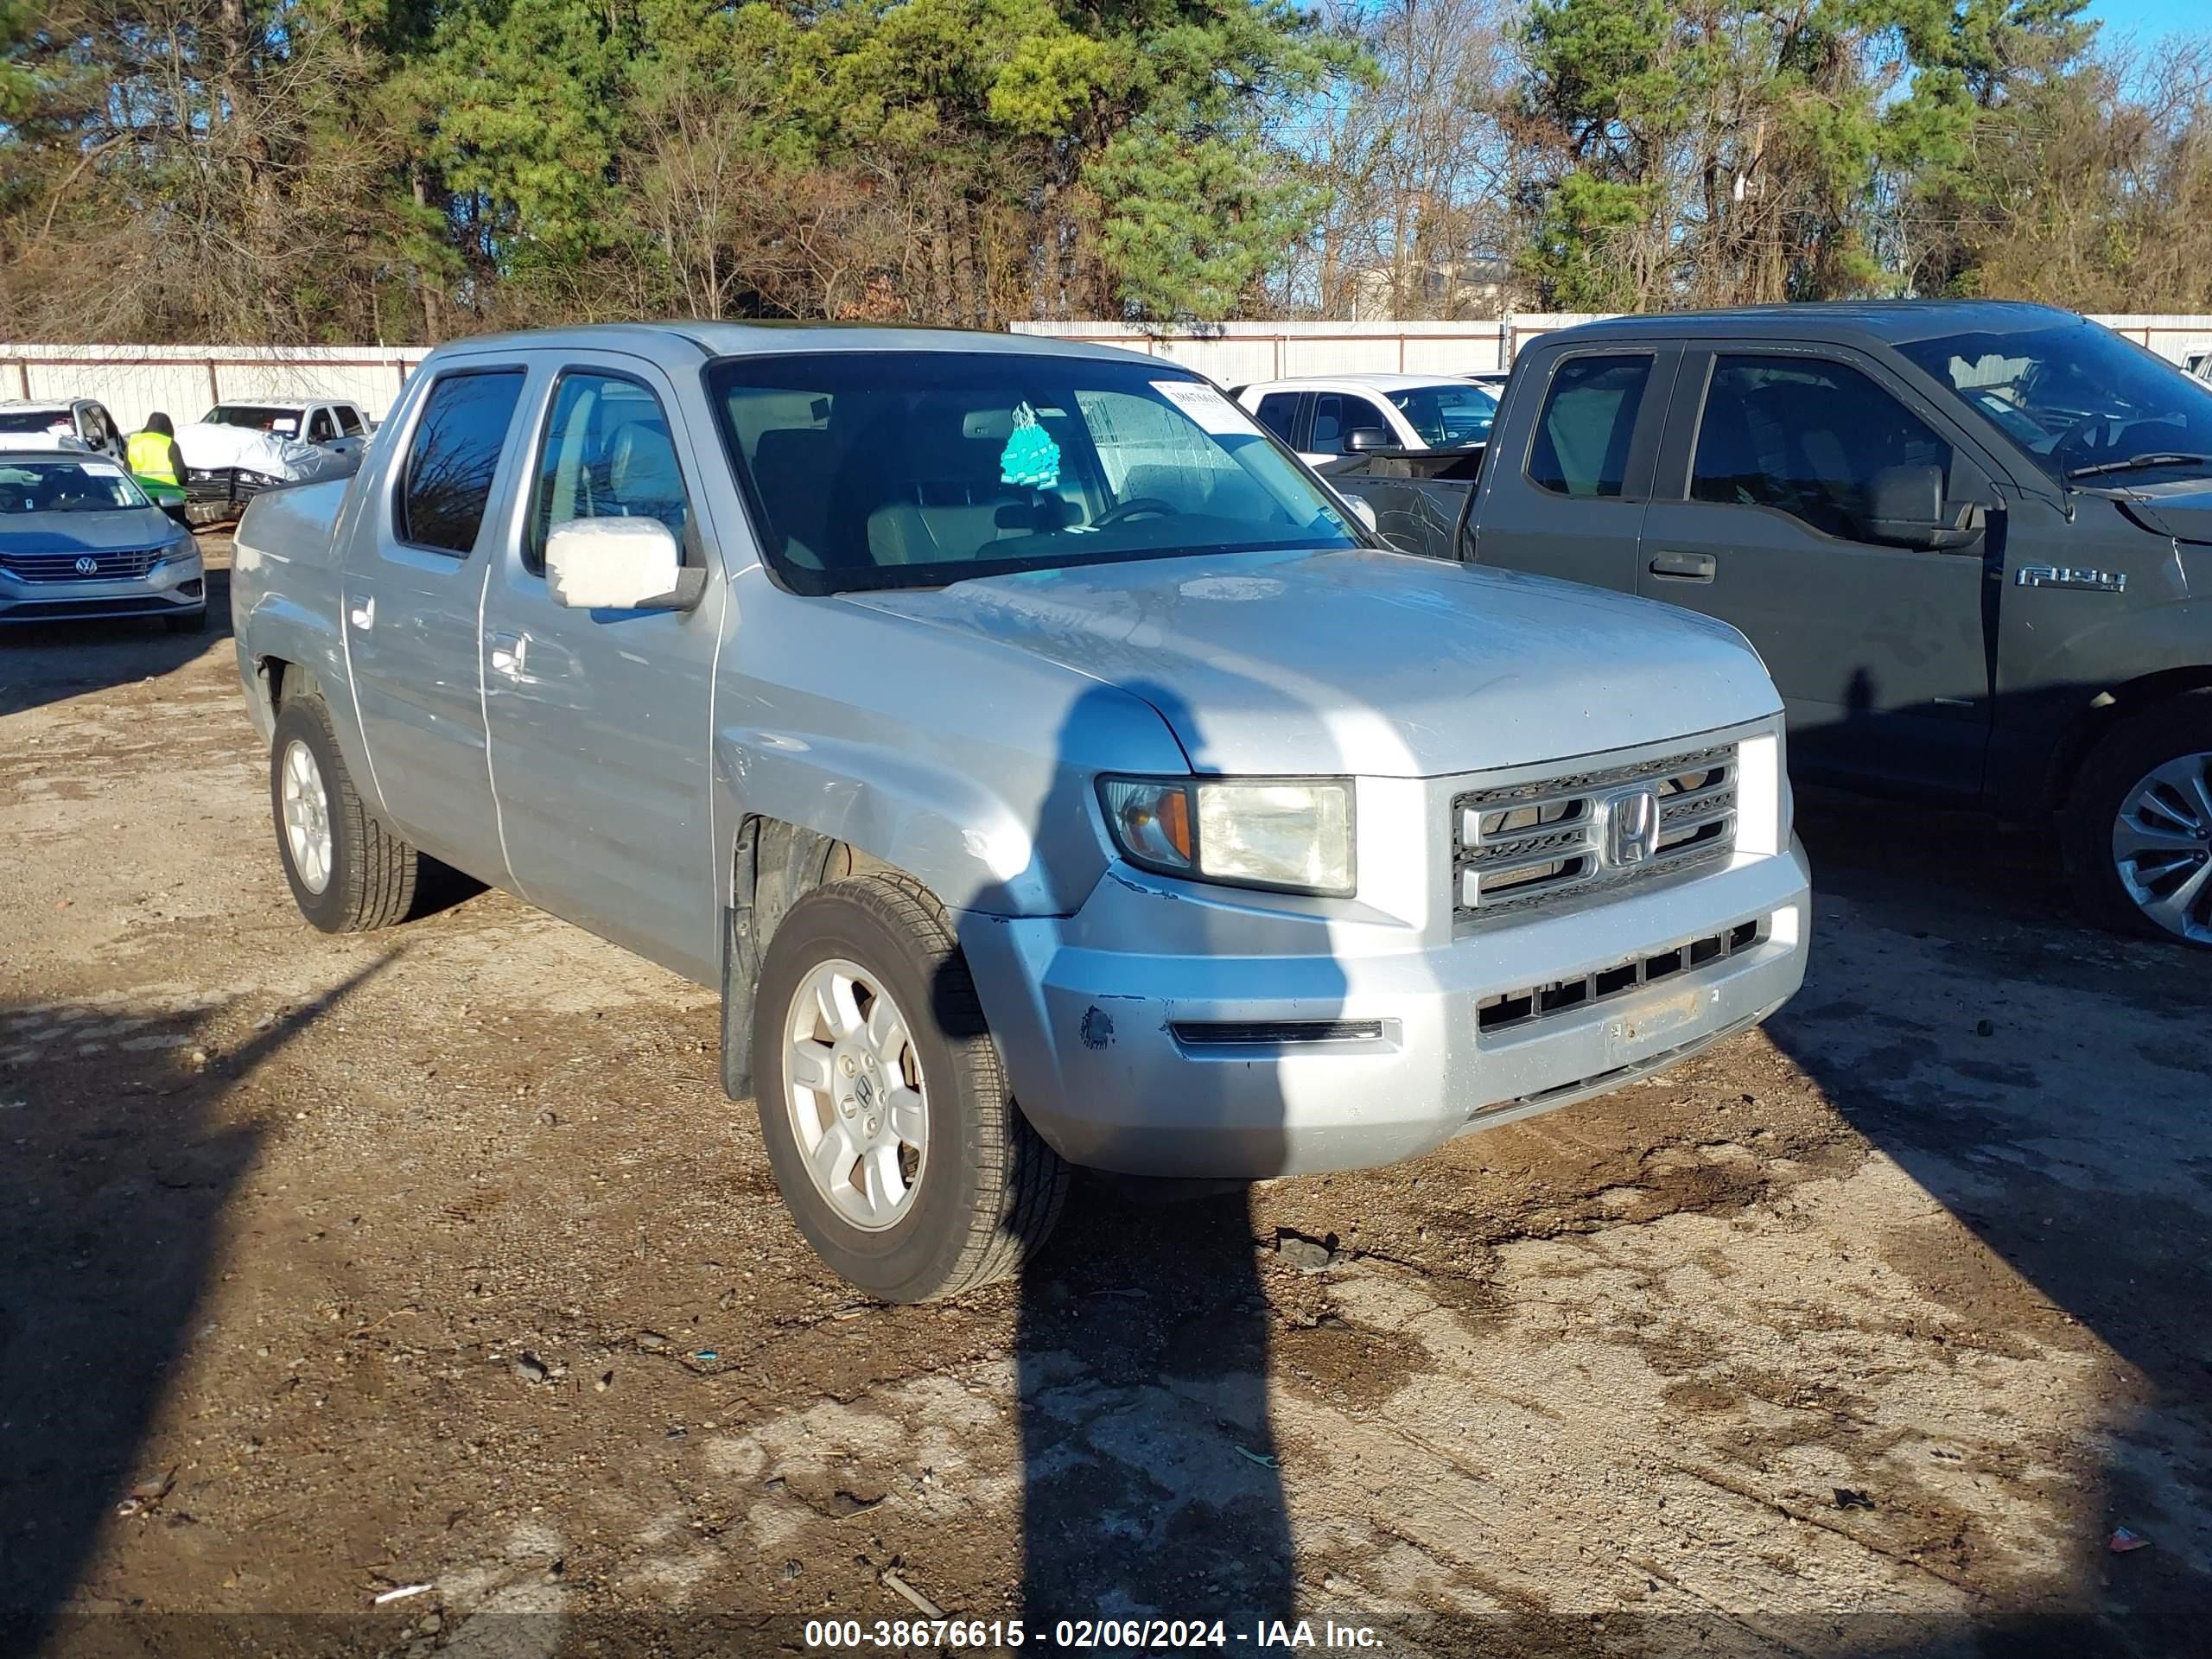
[(88, 566), (1631, 827)]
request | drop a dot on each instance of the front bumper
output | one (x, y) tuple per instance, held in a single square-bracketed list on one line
[(172, 588), (1350, 1058), (229, 487)]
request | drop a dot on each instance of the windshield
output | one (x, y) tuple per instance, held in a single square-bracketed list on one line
[(257, 418), (2084, 402), (37, 420), (1448, 416), (914, 469), (67, 486)]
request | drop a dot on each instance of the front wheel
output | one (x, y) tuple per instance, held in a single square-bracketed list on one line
[(888, 1124), (2139, 830)]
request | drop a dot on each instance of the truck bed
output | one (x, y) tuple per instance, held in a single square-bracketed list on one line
[(1417, 496)]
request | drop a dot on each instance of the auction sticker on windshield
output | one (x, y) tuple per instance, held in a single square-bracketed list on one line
[(1213, 412)]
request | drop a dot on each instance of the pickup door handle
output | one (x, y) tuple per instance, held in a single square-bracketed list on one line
[(1684, 567), (508, 650)]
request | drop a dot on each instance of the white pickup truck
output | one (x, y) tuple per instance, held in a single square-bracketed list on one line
[(236, 450), (1045, 766)]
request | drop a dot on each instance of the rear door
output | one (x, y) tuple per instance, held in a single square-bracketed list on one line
[(414, 581), (601, 722), (1569, 472), (1879, 650)]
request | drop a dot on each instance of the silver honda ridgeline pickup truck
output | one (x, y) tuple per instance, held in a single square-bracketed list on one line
[(1047, 768)]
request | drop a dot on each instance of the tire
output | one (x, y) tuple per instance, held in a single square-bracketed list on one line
[(985, 1191), (196, 622), (370, 876), (2122, 776)]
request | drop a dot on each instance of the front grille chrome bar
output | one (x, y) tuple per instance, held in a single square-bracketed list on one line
[(1522, 846)]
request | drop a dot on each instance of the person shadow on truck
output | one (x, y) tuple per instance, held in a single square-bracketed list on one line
[(1151, 1484)]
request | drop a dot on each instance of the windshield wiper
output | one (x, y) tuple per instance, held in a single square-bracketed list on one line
[(2155, 458)]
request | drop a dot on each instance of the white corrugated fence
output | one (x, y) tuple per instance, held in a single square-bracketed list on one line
[(185, 381)]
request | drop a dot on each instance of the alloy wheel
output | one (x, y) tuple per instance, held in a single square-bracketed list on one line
[(859, 1105), (307, 816), (2162, 846)]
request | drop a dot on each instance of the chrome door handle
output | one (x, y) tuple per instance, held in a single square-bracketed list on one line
[(1684, 567), (364, 615), (508, 650)]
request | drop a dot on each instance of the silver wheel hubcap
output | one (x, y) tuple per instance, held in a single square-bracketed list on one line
[(307, 816), (2162, 846), (859, 1106)]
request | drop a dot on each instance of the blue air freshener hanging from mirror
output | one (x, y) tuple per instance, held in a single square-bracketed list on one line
[(1030, 456)]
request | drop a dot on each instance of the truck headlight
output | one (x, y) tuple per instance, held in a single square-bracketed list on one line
[(1765, 806), (1293, 835)]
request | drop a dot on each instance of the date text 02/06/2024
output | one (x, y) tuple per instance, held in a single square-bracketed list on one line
[(1084, 1634)]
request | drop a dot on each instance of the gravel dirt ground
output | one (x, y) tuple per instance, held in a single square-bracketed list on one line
[(331, 1266)]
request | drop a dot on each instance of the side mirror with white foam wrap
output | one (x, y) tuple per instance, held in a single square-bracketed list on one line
[(619, 564)]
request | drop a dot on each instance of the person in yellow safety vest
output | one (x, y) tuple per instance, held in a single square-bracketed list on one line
[(152, 453)]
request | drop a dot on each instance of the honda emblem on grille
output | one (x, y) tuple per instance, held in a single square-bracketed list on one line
[(1632, 826), (88, 566)]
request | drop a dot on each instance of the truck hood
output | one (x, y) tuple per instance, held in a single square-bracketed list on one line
[(2181, 510), (211, 448), (1366, 661)]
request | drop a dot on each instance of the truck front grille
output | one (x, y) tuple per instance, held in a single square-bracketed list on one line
[(1524, 845), (64, 567)]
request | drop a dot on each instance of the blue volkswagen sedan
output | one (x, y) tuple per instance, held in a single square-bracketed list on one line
[(78, 538)]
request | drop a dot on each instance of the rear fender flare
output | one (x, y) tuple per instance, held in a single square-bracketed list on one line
[(282, 629)]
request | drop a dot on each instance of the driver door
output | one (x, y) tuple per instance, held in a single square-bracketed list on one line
[(1758, 517), (1337, 415), (601, 722)]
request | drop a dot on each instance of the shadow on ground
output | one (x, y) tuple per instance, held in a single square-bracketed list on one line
[(2049, 1085), (117, 1157)]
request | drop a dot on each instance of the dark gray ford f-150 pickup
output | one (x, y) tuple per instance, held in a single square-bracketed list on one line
[(1973, 541)]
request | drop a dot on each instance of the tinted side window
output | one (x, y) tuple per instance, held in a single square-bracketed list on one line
[(1279, 413), (1336, 415), (1359, 412), (454, 453), (607, 454), (349, 420), (1807, 437), (1589, 416), (1327, 437), (320, 430)]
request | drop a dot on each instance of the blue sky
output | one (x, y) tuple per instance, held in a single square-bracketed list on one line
[(2148, 19)]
